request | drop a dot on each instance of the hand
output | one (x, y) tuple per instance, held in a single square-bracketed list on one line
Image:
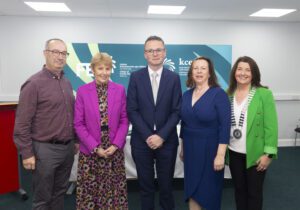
[(110, 150), (154, 141), (29, 163), (101, 152), (76, 148), (219, 162), (263, 163)]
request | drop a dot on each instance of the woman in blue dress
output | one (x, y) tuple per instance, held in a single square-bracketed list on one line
[(205, 132)]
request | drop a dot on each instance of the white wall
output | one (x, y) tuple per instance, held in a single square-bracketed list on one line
[(275, 47)]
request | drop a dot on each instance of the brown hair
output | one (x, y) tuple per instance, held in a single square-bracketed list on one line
[(212, 80), (254, 71)]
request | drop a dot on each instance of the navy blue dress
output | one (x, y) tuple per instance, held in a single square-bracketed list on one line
[(203, 127)]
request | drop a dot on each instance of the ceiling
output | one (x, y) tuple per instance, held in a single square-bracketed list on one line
[(236, 10)]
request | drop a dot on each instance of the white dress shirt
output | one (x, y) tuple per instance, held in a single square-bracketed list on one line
[(239, 145), (159, 71)]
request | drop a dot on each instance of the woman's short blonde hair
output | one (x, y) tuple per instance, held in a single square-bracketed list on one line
[(101, 58)]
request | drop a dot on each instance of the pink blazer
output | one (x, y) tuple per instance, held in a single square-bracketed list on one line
[(87, 116)]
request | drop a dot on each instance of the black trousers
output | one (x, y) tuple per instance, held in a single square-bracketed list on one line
[(51, 175), (248, 183)]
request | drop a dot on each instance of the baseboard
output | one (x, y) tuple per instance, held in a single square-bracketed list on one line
[(288, 142)]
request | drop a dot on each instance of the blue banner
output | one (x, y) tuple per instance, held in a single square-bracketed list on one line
[(130, 57)]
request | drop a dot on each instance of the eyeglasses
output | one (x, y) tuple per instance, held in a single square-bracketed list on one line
[(152, 51), (58, 53)]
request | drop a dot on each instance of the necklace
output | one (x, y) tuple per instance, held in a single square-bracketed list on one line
[(237, 130)]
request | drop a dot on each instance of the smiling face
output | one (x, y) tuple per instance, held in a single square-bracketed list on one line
[(55, 55), (102, 73), (155, 54), (200, 72), (243, 74)]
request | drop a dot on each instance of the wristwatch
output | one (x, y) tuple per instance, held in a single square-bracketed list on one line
[(270, 155)]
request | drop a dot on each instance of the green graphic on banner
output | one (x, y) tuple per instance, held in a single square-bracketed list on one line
[(130, 57)]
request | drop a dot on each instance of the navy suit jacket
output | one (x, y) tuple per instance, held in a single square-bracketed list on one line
[(143, 113)]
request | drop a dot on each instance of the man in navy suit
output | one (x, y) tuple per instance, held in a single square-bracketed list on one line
[(153, 104)]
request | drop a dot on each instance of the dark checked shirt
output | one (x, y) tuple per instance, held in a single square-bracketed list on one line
[(45, 111)]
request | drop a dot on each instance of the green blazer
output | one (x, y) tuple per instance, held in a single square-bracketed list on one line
[(262, 126)]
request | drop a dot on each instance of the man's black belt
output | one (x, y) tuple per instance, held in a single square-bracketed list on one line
[(55, 141)]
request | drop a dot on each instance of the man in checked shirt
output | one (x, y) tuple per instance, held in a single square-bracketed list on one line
[(44, 131)]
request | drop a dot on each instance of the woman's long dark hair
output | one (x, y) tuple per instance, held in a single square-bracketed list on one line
[(255, 82)]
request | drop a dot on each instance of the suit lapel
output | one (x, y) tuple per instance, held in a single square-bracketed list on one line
[(145, 79), (162, 85), (252, 109), (110, 99), (94, 100)]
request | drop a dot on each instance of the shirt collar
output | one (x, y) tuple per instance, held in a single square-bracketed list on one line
[(159, 71), (52, 75)]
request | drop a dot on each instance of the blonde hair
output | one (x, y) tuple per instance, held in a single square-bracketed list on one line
[(101, 58)]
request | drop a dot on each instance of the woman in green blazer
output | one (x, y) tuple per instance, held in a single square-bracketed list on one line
[(254, 133)]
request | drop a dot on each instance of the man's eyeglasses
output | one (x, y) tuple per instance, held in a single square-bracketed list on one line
[(58, 53), (152, 51)]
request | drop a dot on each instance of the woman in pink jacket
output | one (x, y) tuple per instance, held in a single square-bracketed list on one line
[(101, 124)]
